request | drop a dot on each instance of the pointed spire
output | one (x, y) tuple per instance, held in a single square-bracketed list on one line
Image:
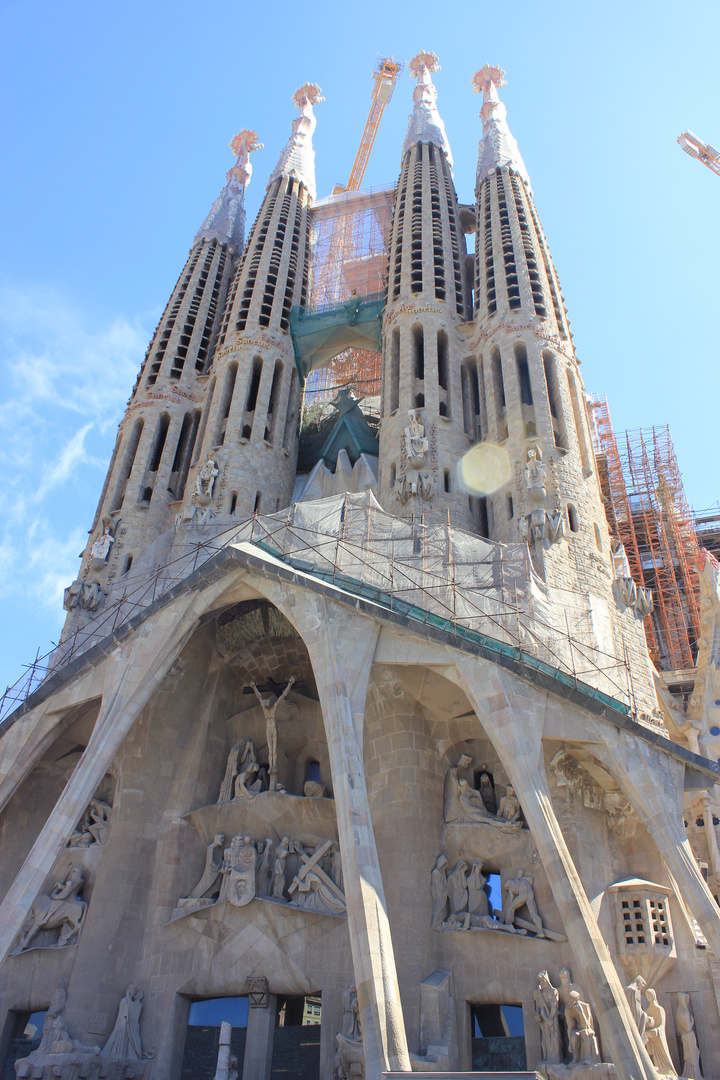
[(298, 157), (497, 146), (425, 124), (226, 220)]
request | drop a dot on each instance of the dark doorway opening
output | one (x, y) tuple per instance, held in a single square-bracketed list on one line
[(25, 1036), (497, 1038), (296, 1040), (202, 1038)]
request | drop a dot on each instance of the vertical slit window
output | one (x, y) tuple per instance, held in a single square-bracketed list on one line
[(183, 454), (400, 225), (443, 373), (418, 367), (579, 414), (155, 458), (528, 248), (225, 404), (498, 394), (204, 417), (490, 291), (290, 415), (553, 391), (395, 370), (416, 224), (127, 464), (274, 402), (523, 374), (252, 396)]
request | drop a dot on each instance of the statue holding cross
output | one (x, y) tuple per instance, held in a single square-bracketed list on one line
[(270, 714)]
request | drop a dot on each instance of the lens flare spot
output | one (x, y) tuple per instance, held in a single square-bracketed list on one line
[(483, 469)]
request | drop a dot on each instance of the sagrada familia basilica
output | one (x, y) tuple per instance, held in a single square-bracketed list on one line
[(354, 724)]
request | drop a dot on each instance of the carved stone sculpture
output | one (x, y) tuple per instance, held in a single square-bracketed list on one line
[(264, 872), (581, 1032), (93, 825), (101, 548), (657, 1046), (535, 475), (633, 993), (478, 903), (457, 889), (684, 1025), (415, 480), (205, 482), (239, 864), (312, 888), (278, 880), (224, 1060), (546, 1000), (439, 892), (227, 787), (464, 804), (83, 594), (519, 892), (313, 789), (58, 1055), (61, 909), (248, 770), (509, 807), (349, 1056), (54, 1031), (270, 714), (124, 1042), (210, 875)]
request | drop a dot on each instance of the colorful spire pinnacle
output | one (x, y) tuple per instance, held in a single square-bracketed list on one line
[(226, 220), (497, 146), (298, 157), (425, 124)]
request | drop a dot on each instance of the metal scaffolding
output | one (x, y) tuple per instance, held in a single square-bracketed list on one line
[(648, 513)]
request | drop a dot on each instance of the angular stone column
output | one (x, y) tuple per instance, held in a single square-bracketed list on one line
[(512, 715), (653, 782), (257, 1062), (132, 673), (341, 647)]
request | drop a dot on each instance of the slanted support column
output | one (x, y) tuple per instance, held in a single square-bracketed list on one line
[(654, 782), (132, 673), (512, 716), (341, 647), (257, 1063)]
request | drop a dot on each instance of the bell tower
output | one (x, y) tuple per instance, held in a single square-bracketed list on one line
[(421, 433), (249, 428), (524, 390), (158, 434)]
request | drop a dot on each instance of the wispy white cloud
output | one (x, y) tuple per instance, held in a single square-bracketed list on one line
[(65, 375)]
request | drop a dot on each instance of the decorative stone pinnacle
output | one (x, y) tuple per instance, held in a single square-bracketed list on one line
[(308, 94), (245, 142), (427, 60), (488, 73)]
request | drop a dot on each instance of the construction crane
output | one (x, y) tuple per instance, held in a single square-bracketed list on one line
[(387, 72), (702, 151)]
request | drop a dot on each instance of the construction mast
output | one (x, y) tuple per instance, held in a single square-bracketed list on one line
[(387, 72), (704, 152)]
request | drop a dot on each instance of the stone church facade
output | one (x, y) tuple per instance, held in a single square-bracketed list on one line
[(377, 744)]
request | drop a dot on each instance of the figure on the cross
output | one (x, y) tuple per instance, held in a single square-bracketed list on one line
[(270, 711)]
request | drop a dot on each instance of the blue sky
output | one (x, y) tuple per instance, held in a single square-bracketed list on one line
[(116, 119)]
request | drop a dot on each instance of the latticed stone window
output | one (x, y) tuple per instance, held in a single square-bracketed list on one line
[(643, 918)]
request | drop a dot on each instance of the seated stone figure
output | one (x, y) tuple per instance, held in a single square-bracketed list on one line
[(463, 803)]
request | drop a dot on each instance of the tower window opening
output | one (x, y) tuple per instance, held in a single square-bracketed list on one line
[(490, 292), (443, 382), (204, 419), (553, 392), (598, 537), (252, 396), (509, 506), (549, 273), (470, 397), (160, 437), (393, 475), (528, 248), (183, 454), (274, 402), (416, 223), (573, 518), (233, 502), (290, 416), (498, 387), (126, 565), (312, 771), (511, 277), (523, 374), (225, 404), (418, 355), (395, 370), (580, 428), (446, 480), (127, 464), (400, 225), (258, 500)]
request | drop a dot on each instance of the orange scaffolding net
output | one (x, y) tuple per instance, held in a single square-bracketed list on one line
[(648, 513)]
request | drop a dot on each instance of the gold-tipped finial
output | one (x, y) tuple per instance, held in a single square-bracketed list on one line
[(308, 94), (427, 60), (245, 142)]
